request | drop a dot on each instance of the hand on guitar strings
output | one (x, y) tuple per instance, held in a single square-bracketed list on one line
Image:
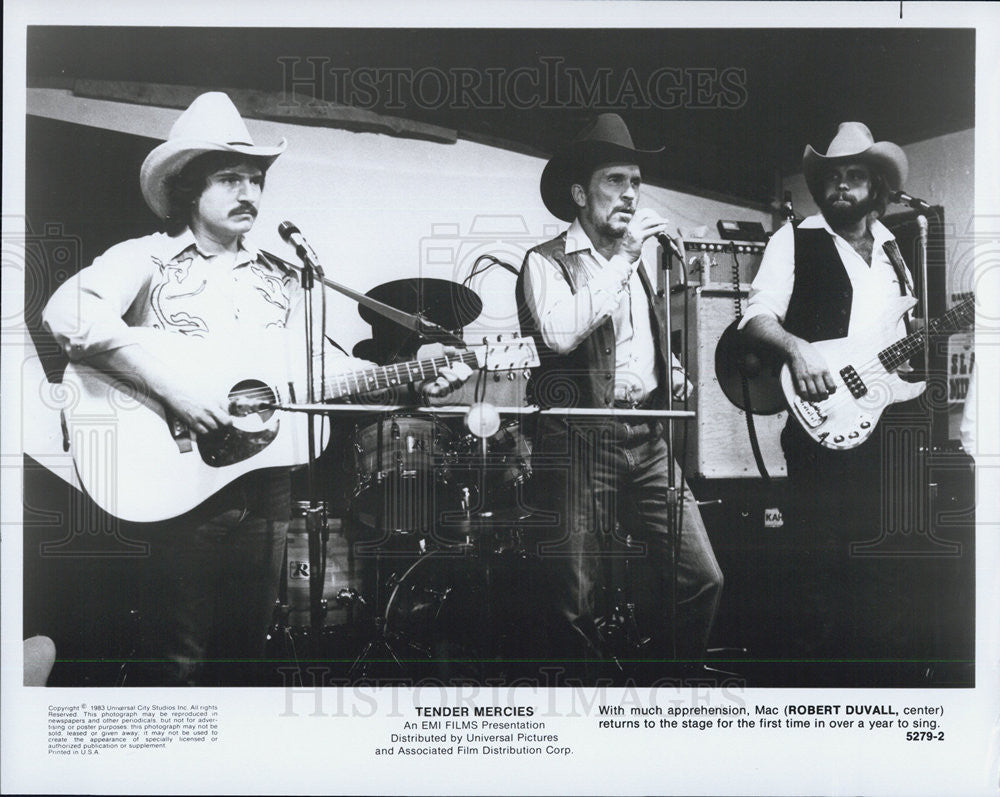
[(201, 414), (810, 374), (449, 379)]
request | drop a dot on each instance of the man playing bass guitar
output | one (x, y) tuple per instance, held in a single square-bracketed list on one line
[(833, 276)]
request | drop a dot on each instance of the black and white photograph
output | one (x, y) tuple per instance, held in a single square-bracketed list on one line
[(610, 374)]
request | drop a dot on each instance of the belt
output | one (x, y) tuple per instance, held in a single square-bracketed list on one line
[(647, 403)]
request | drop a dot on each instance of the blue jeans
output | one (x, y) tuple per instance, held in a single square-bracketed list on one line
[(602, 481)]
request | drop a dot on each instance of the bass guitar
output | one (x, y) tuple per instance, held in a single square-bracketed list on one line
[(864, 370)]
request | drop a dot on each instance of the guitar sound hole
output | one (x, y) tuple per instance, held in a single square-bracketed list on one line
[(243, 439), (252, 396)]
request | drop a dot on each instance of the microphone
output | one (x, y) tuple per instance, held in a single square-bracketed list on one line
[(901, 198), (787, 209), (292, 235), (670, 243)]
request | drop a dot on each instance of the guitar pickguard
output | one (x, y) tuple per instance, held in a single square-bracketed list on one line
[(234, 445)]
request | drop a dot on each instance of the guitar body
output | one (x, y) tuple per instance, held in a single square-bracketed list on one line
[(847, 417), (140, 465)]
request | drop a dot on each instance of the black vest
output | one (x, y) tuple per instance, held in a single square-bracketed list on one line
[(585, 377), (822, 296), (820, 305)]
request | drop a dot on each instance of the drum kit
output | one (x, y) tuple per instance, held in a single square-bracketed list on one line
[(435, 517), (438, 543), (444, 581)]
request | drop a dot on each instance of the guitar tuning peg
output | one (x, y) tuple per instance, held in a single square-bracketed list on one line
[(496, 377)]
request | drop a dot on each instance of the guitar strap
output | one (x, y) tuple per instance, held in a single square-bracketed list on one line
[(336, 345), (891, 249)]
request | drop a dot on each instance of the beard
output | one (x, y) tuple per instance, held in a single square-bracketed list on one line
[(851, 213), (613, 227), (612, 231)]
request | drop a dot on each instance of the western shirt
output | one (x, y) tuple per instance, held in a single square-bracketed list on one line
[(609, 287)]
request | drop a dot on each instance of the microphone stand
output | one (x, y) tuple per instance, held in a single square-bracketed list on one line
[(317, 532), (427, 330), (902, 198), (924, 292), (673, 498)]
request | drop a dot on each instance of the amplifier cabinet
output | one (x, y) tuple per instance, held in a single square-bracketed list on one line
[(718, 444), (711, 263)]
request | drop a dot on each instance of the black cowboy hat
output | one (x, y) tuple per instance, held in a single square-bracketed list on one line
[(605, 140)]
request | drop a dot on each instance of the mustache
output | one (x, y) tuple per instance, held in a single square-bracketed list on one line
[(244, 209)]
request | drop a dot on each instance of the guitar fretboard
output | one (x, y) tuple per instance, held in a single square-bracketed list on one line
[(382, 377), (961, 315)]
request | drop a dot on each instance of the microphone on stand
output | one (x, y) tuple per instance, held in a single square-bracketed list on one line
[(670, 243), (901, 198), (787, 209), (292, 235)]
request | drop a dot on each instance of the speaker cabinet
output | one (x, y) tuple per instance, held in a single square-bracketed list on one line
[(718, 443)]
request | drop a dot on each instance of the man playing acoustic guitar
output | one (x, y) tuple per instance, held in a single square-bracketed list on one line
[(216, 566)]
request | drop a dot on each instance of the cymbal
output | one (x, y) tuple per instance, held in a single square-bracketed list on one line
[(445, 303)]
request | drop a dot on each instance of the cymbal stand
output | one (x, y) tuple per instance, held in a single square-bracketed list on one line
[(619, 626), (389, 487)]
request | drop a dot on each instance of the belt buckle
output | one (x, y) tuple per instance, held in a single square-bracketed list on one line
[(627, 404)]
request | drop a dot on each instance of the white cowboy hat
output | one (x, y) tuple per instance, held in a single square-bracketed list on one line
[(210, 124), (854, 141)]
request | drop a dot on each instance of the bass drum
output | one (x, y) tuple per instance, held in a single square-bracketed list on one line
[(402, 481), (460, 615)]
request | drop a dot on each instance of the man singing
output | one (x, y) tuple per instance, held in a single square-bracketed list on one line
[(586, 299)]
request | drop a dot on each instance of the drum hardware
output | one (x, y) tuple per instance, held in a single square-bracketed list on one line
[(421, 614), (437, 607), (348, 597), (619, 627)]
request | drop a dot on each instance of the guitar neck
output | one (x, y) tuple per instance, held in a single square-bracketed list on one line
[(379, 378), (902, 350)]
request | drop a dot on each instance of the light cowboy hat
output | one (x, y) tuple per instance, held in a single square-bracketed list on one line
[(210, 124), (854, 141), (605, 140)]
